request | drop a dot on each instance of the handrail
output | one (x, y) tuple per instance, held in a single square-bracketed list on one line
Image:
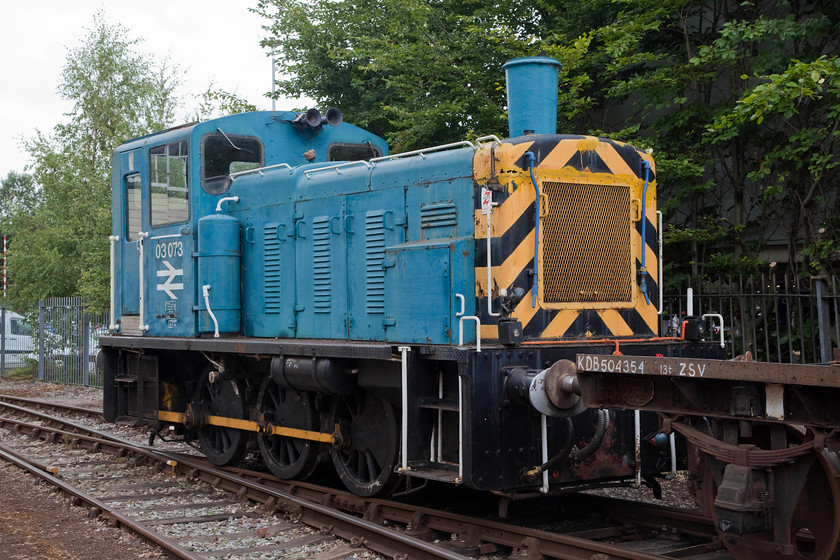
[(660, 280), (113, 324), (372, 162), (141, 235), (462, 318), (234, 176), (422, 153), (337, 167), (492, 137), (205, 290), (719, 317)]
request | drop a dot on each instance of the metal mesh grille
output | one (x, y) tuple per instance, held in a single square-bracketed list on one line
[(148, 372), (586, 243)]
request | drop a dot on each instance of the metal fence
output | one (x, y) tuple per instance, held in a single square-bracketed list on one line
[(777, 317), (18, 341), (61, 338)]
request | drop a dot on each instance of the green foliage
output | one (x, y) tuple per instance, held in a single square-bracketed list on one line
[(19, 197), (738, 100), (60, 236), (215, 103), (417, 72)]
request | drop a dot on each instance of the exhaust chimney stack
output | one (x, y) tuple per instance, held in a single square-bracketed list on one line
[(532, 95)]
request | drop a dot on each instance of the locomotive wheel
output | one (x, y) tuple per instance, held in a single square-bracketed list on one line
[(366, 467), (815, 526), (222, 446), (287, 458)]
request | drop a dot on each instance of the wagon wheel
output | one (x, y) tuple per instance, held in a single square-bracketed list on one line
[(366, 467), (222, 446), (815, 525), (288, 458)]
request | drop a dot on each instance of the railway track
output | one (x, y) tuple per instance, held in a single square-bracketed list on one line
[(267, 509)]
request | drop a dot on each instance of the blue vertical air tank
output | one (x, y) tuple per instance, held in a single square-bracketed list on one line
[(532, 95), (218, 268)]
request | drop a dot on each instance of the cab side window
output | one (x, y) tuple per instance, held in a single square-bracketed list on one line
[(133, 223), (345, 151), (168, 184), (223, 154)]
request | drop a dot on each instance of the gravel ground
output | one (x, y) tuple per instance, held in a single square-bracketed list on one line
[(89, 397), (37, 523)]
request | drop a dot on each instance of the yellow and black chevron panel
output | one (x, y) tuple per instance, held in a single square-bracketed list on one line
[(589, 261)]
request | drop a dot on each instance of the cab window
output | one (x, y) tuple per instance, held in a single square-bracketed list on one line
[(168, 184), (345, 151), (223, 154), (133, 222)]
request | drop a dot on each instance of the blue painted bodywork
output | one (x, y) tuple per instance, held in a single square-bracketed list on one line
[(361, 251), (532, 95), (219, 267)]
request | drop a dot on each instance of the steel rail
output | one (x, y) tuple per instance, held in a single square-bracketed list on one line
[(90, 412), (306, 501), (357, 530), (127, 522)]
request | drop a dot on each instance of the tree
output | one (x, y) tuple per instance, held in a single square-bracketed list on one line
[(683, 77), (215, 103), (683, 66), (18, 195), (415, 72), (61, 247)]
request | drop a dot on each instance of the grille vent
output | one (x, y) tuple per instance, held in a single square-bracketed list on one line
[(374, 255), (272, 269), (321, 264), (586, 243), (149, 383), (438, 220)]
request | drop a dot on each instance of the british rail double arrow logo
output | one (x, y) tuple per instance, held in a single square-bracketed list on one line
[(171, 273)]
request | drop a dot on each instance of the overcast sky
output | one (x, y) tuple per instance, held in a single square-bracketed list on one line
[(211, 40)]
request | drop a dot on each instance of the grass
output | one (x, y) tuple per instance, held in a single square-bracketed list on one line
[(28, 371)]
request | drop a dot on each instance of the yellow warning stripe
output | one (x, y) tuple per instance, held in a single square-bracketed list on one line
[(506, 273), (560, 155), (523, 311), (553, 167), (649, 314), (614, 161), (560, 324), (506, 214), (615, 322)]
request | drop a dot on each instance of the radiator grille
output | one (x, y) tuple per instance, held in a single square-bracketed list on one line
[(272, 269), (586, 243), (374, 255), (321, 264)]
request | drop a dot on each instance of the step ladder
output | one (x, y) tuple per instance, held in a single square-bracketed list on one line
[(440, 457)]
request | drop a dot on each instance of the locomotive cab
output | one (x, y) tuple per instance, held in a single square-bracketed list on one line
[(165, 183)]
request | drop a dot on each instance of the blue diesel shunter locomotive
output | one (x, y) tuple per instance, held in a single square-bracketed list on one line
[(282, 285)]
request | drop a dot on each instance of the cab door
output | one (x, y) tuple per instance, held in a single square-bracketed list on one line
[(168, 286), (130, 175)]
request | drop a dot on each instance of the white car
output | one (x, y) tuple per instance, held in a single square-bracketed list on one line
[(18, 341)]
